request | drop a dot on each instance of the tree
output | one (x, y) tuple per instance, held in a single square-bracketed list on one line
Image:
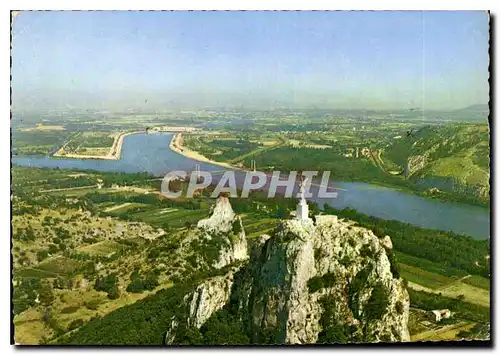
[(378, 302), (114, 293), (236, 227), (314, 209), (281, 212), (108, 284), (46, 293), (62, 283), (53, 249), (76, 324), (42, 254)]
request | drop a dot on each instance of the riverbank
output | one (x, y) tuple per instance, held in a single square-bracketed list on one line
[(176, 145), (143, 153), (114, 152)]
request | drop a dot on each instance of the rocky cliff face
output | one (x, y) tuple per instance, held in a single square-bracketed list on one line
[(451, 158), (224, 232), (208, 297), (325, 281)]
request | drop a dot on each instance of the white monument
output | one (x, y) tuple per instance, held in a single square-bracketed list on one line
[(302, 207)]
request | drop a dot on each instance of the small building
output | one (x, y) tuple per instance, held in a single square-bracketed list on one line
[(441, 314)]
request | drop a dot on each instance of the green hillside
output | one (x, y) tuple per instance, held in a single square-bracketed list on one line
[(452, 158)]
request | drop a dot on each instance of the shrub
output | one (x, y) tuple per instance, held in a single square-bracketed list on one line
[(93, 304), (355, 286), (329, 279), (114, 293), (399, 307), (140, 283), (377, 304), (53, 248), (46, 293), (314, 284), (108, 284), (76, 324), (236, 227), (70, 309), (42, 254), (345, 261), (153, 253), (394, 264), (332, 332), (366, 251)]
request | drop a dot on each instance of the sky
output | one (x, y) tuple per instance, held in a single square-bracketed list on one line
[(378, 60)]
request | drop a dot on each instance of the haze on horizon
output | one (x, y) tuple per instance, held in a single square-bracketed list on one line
[(377, 60)]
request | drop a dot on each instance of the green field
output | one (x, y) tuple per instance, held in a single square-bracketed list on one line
[(37, 142), (478, 281), (256, 224), (53, 267), (423, 277), (161, 216), (121, 208), (86, 140), (104, 248), (428, 265)]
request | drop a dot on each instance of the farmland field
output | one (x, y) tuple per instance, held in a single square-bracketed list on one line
[(469, 293), (37, 142), (160, 216), (256, 224), (423, 277), (105, 247), (478, 281), (52, 267)]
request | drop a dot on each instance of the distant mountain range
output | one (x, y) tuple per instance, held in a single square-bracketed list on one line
[(480, 108), (472, 113)]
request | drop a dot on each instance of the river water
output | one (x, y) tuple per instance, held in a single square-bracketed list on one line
[(151, 153)]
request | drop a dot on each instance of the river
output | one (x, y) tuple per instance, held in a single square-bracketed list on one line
[(151, 153)]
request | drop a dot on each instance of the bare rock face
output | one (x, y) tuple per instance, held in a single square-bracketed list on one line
[(207, 298), (310, 282), (224, 230), (324, 283), (221, 218), (386, 242), (415, 163)]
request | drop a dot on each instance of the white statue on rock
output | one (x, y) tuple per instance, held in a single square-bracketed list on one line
[(302, 207)]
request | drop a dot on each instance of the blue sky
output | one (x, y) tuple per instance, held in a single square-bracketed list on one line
[(331, 59)]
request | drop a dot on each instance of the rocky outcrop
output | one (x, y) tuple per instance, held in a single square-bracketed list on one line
[(207, 298), (221, 218), (314, 282), (386, 242), (223, 230), (310, 282), (424, 168), (415, 163)]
